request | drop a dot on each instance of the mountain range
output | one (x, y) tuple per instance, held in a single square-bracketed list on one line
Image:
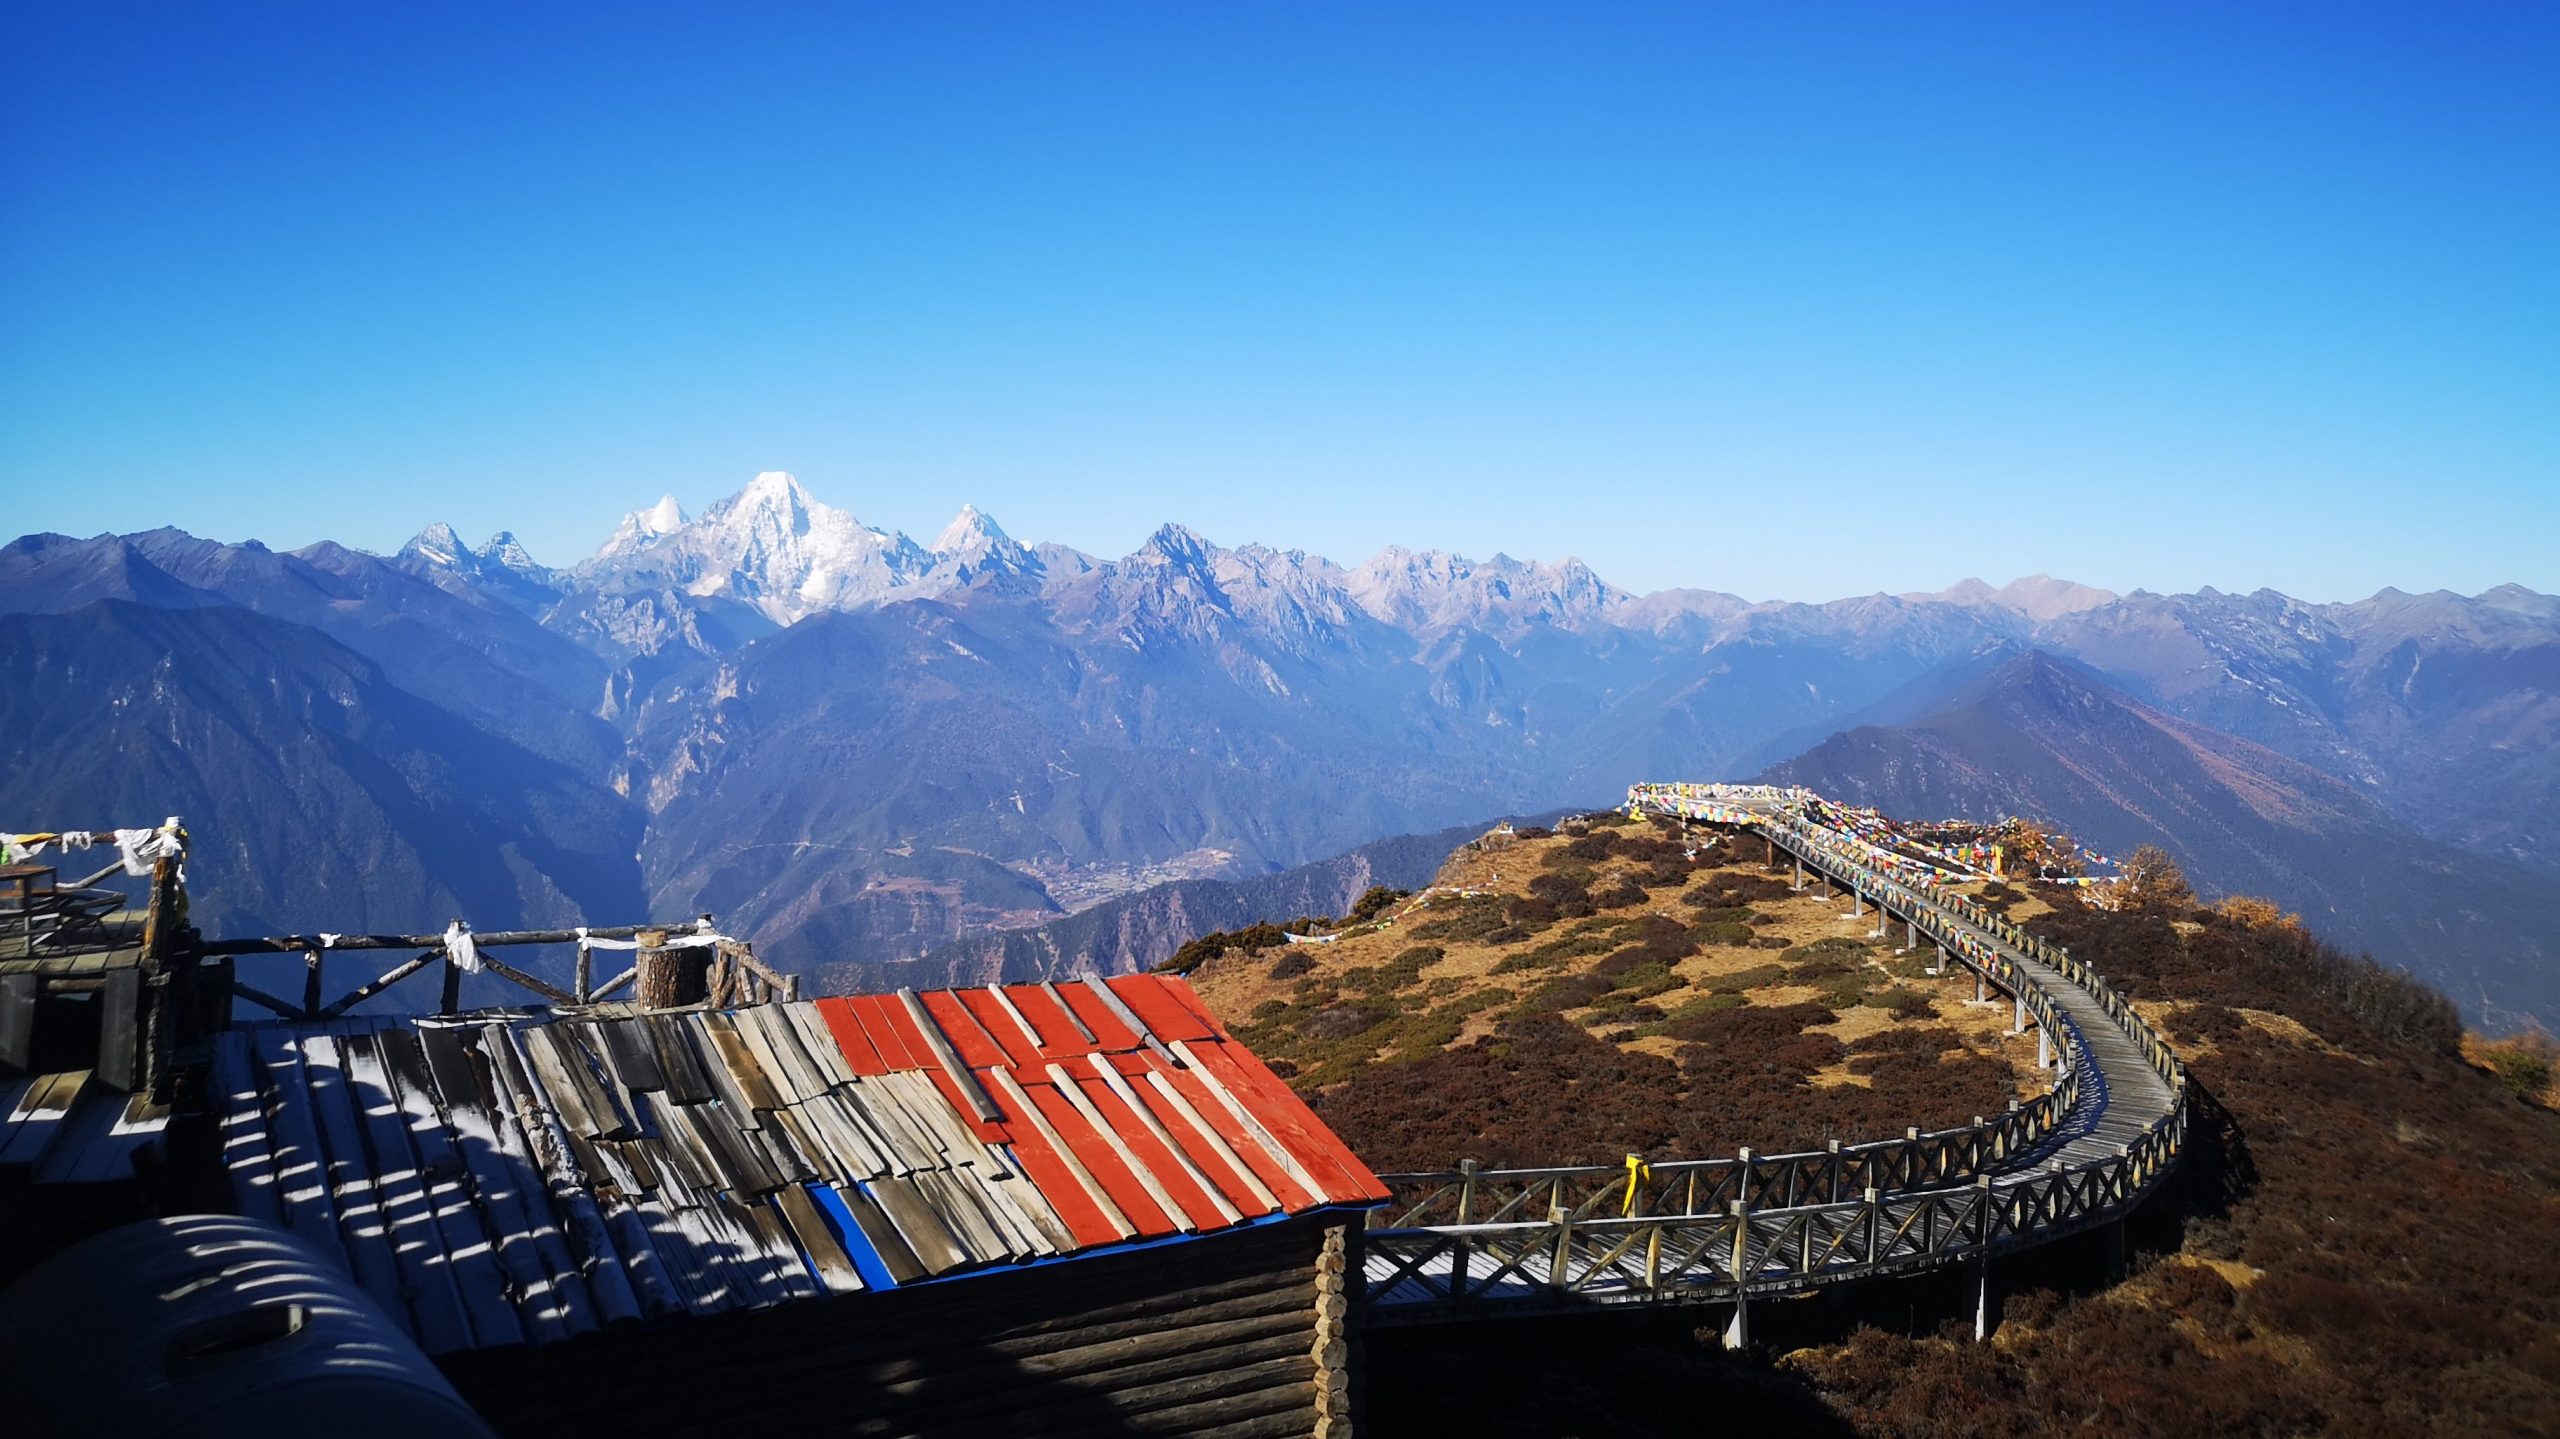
[(857, 747), (2043, 736)]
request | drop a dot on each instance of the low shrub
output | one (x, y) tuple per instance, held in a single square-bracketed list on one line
[(1617, 894), (1730, 933), (1376, 900), (1199, 951), (1592, 848), (1573, 991), (1472, 917), (1749, 1030), (1396, 974), (1758, 976), (1341, 1021), (1729, 887), (2523, 1071), (1690, 1008), (1921, 1039)]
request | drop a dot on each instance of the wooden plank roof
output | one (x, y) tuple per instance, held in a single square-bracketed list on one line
[(500, 1179)]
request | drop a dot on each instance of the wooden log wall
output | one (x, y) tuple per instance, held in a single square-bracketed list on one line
[(1334, 1337), (1224, 1335)]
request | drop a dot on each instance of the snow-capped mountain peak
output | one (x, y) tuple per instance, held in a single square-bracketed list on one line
[(971, 532), (505, 551), (772, 546), (774, 492), (643, 528), (974, 552), (438, 545)]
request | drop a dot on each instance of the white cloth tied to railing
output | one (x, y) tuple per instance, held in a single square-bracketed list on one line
[(676, 941), (140, 847), (459, 947)]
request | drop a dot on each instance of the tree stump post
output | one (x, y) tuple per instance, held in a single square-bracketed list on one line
[(665, 977)]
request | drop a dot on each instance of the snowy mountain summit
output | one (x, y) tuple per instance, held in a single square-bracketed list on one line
[(773, 554), (641, 529), (772, 547), (500, 557)]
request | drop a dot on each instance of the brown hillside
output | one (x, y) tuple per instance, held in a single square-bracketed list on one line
[(1572, 998), (2364, 1237)]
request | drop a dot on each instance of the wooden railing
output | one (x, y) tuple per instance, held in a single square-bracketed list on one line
[(730, 975), (143, 1003), (1472, 1240), (1841, 1172)]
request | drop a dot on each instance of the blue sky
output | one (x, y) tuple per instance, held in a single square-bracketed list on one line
[(1791, 301)]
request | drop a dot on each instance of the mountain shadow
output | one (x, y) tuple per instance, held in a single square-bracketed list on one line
[(321, 795)]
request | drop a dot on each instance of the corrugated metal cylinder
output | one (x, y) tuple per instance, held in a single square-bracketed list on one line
[(209, 1325)]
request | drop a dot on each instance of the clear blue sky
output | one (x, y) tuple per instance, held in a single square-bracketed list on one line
[(1793, 301)]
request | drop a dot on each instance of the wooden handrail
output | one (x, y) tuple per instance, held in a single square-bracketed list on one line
[(299, 943), (434, 950)]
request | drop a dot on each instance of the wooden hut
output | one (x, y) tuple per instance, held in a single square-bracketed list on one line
[(98, 992), (1055, 1209)]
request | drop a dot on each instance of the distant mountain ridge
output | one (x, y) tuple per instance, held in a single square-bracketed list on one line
[(858, 746), (2046, 738)]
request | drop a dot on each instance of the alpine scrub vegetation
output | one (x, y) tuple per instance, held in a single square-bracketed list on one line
[(2352, 1244), (1604, 991), (2354, 1255), (2344, 1249)]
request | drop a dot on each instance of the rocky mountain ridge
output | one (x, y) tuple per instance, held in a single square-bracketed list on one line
[(857, 744)]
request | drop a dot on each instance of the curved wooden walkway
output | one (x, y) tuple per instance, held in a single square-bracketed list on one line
[(1475, 1243)]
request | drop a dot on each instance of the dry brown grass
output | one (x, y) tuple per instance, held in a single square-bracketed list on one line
[(1353, 1007)]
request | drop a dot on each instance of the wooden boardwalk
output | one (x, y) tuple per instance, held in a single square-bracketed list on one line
[(1473, 1243)]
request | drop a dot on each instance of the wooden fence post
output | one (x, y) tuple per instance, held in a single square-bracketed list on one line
[(1559, 1272), (660, 978), (1464, 1247), (1737, 1332)]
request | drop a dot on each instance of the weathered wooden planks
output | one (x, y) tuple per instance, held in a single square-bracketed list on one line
[(1215, 1338), (508, 1181), (463, 1225), (408, 1216)]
